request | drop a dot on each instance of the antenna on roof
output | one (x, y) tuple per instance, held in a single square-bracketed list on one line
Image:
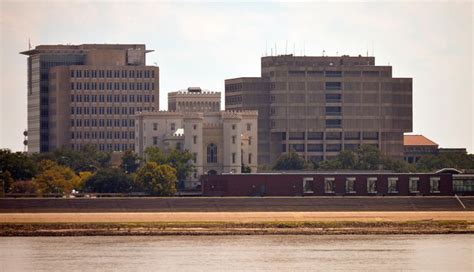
[(29, 44), (266, 49), (367, 49)]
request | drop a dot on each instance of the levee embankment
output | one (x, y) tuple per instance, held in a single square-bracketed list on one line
[(234, 204)]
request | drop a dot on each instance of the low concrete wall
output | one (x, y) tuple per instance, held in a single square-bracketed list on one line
[(234, 204)]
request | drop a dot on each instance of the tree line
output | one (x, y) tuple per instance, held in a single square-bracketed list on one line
[(65, 171), (368, 157)]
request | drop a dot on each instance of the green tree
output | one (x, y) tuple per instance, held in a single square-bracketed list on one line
[(109, 180), (154, 154), (290, 161), (24, 187), (369, 157), (459, 161), (245, 169), (86, 159), (130, 161), (179, 160), (56, 179), (157, 179), (17, 164)]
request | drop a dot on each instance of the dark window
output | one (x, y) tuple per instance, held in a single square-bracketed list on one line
[(333, 123), (315, 147), (333, 86), (333, 110), (296, 135), (333, 98), (212, 153), (333, 147), (333, 135), (297, 147), (333, 74), (351, 135), (315, 135), (369, 135)]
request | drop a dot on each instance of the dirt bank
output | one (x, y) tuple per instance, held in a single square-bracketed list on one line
[(238, 223)]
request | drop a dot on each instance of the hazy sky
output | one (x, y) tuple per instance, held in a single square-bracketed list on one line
[(201, 44)]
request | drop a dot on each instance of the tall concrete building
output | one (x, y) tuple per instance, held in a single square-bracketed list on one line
[(88, 94), (319, 106)]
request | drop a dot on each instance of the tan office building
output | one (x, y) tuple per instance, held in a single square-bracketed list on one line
[(319, 106), (88, 94)]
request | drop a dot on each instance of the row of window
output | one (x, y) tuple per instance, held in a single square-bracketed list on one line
[(371, 185), (332, 135), (102, 122), (102, 135), (147, 86), (112, 98), (107, 147), (113, 73), (109, 110), (336, 73), (320, 147)]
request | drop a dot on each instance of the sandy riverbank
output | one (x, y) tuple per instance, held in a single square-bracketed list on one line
[(235, 223)]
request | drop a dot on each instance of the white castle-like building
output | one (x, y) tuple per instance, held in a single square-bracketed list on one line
[(220, 141)]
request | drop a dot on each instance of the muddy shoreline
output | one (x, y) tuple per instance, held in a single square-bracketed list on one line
[(221, 228)]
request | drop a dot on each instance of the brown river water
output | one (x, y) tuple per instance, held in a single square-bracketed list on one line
[(239, 253)]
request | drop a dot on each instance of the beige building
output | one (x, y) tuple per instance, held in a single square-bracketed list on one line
[(88, 94), (220, 141), (319, 106), (194, 99)]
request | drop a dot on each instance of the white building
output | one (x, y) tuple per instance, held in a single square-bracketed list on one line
[(221, 141)]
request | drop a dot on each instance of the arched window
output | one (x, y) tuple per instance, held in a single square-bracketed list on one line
[(211, 153)]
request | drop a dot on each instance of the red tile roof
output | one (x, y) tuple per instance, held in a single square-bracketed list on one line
[(417, 140)]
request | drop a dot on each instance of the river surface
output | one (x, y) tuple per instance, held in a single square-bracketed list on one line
[(239, 253)]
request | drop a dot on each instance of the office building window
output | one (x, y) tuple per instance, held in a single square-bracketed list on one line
[(172, 126), (333, 123), (434, 184), (350, 185), (392, 185), (233, 127), (372, 185), (233, 157), (333, 147), (250, 140), (333, 98), (329, 185), (155, 126), (413, 184), (194, 139), (194, 157), (333, 86), (250, 158), (249, 127), (308, 185), (333, 110), (233, 139), (333, 73)]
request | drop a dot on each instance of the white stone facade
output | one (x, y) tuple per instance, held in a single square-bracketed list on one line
[(221, 141)]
